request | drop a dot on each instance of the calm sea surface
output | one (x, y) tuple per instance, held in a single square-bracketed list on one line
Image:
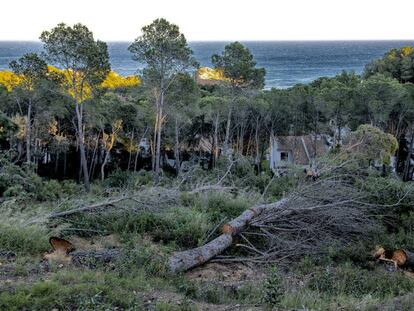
[(286, 63)]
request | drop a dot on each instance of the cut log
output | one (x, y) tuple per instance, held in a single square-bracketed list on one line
[(379, 253), (64, 253), (183, 261), (403, 258), (61, 245)]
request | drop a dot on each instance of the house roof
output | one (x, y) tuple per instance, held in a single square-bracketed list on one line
[(303, 148)]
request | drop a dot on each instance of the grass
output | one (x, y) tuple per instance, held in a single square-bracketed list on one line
[(342, 280), (23, 239), (66, 290), (248, 293)]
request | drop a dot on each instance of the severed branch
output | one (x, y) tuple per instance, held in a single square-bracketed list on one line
[(88, 208), (211, 188)]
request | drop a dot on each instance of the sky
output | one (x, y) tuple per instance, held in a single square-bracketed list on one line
[(122, 20)]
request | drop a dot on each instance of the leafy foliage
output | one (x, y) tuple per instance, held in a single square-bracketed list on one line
[(238, 66), (396, 63)]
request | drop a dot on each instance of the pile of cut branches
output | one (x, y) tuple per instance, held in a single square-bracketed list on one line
[(332, 211)]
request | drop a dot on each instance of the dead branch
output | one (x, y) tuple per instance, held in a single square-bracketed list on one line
[(153, 198), (89, 208), (211, 188)]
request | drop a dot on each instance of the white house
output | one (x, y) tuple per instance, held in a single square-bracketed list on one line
[(299, 150)]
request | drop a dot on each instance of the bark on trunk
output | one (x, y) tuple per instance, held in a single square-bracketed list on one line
[(95, 149), (177, 149), (64, 164), (256, 136), (158, 146), (57, 162), (130, 152), (84, 164), (104, 164), (28, 131), (408, 158), (154, 142), (182, 261), (227, 138), (215, 141), (136, 161)]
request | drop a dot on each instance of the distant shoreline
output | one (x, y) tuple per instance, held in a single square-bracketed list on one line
[(287, 63), (247, 41)]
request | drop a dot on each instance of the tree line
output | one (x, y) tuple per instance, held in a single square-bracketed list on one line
[(65, 112)]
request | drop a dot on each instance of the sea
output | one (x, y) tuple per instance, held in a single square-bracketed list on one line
[(286, 62)]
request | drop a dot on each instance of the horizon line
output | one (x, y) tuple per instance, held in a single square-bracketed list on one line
[(240, 40)]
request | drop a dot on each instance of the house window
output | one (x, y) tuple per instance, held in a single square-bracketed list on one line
[(284, 156)]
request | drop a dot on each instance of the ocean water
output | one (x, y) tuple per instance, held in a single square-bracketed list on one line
[(286, 62)]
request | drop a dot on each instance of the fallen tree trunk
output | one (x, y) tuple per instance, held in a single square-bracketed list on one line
[(182, 261)]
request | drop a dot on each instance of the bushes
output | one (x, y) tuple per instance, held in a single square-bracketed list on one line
[(389, 191), (127, 179), (223, 206), (23, 239), (273, 288), (216, 293), (350, 280), (185, 227), (24, 183), (81, 291)]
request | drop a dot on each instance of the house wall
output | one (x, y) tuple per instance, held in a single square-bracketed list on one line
[(275, 156)]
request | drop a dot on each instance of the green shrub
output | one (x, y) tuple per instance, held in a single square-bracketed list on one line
[(24, 183), (305, 266), (118, 178), (70, 188), (50, 190), (23, 239), (389, 191), (223, 206), (185, 227), (128, 179), (78, 290), (281, 185), (273, 288), (220, 294), (350, 280)]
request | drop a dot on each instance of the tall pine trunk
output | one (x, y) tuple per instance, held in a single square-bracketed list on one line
[(215, 140), (256, 136), (177, 148), (106, 159), (159, 129), (84, 164), (227, 137), (130, 152), (406, 174), (28, 131)]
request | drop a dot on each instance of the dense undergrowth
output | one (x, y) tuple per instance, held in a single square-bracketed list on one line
[(343, 278)]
